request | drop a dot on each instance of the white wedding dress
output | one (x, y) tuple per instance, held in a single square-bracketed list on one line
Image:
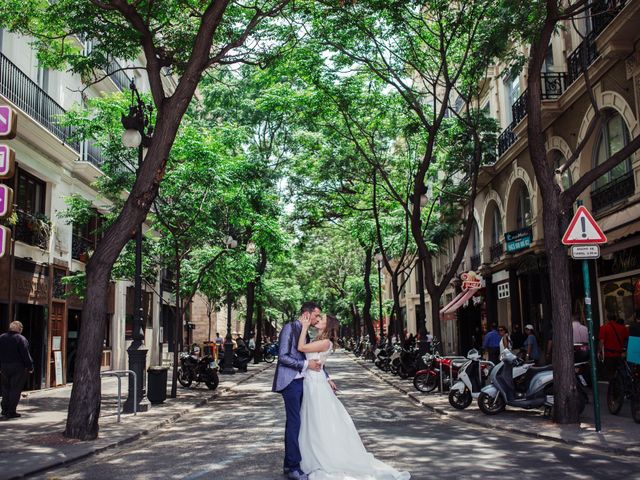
[(329, 442)]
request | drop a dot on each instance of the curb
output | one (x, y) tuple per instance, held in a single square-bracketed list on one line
[(136, 436), (414, 398)]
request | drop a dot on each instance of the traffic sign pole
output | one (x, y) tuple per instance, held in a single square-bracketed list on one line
[(592, 349)]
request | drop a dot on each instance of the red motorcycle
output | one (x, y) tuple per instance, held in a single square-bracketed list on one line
[(446, 367)]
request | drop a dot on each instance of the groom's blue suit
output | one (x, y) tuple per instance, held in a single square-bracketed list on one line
[(290, 365)]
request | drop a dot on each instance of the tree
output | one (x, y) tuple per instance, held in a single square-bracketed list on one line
[(543, 19), (172, 39)]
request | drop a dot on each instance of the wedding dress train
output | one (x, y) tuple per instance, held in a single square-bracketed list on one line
[(330, 445)]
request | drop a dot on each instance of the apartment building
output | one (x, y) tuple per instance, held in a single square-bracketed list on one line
[(506, 249), (46, 248)]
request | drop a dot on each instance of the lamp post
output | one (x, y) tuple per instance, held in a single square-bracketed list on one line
[(423, 345), (137, 134), (227, 368), (379, 259)]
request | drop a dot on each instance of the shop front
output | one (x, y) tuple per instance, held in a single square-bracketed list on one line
[(619, 283)]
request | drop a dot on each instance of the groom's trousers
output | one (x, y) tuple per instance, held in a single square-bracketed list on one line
[(292, 396)]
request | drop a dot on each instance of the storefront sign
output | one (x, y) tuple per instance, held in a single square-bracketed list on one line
[(585, 251), (470, 280), (5, 240), (8, 122), (6, 201), (7, 161), (518, 239)]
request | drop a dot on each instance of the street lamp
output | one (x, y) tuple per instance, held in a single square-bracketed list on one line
[(379, 259), (137, 134), (227, 368)]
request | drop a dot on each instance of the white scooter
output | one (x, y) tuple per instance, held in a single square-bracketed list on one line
[(472, 377)]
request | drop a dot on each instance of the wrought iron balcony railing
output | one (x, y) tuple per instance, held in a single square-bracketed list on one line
[(553, 85), (79, 248), (475, 261), (575, 61), (603, 12), (30, 97), (117, 75), (506, 139), (33, 229), (496, 251), (613, 192)]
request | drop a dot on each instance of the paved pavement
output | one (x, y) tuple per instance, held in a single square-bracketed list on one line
[(620, 434), (238, 435), (35, 442)]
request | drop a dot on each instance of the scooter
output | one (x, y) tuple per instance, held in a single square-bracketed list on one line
[(472, 376), (439, 371), (534, 390)]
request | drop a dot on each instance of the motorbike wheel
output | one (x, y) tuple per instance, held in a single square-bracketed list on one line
[(268, 357), (213, 381), (425, 383), (615, 395), (184, 378), (489, 406), (460, 400)]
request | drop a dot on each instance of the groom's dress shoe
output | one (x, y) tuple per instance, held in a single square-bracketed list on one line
[(297, 475)]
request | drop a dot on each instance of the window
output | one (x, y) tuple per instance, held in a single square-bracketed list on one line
[(512, 89), (475, 245), (547, 66), (613, 137), (30, 197), (523, 211), (496, 228), (86, 237), (558, 160)]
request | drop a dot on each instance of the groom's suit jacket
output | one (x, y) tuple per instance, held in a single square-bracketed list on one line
[(290, 360)]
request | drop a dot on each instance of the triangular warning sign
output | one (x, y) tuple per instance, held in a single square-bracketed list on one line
[(583, 229)]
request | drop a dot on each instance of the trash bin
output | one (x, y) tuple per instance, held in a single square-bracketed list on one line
[(157, 384)]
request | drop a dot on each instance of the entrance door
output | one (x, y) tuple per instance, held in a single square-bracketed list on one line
[(57, 344), (33, 318)]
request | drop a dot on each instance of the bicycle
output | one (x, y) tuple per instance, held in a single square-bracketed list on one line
[(625, 385)]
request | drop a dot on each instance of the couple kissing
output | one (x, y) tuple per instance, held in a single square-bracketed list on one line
[(321, 441)]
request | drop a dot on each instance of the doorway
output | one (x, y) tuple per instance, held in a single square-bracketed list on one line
[(34, 320), (73, 332)]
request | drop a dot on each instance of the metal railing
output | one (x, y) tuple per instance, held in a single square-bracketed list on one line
[(33, 229), (506, 139), (119, 374), (91, 153), (30, 97), (475, 261), (603, 12), (575, 61), (519, 107), (553, 84), (613, 192), (496, 251), (117, 75), (79, 247)]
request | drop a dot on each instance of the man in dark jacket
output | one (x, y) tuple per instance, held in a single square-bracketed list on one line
[(15, 364)]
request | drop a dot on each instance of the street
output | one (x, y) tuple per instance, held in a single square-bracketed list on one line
[(239, 436)]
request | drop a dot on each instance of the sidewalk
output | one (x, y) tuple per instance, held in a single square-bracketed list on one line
[(34, 443), (619, 435)]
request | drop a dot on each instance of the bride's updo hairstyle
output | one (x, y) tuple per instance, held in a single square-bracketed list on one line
[(331, 330)]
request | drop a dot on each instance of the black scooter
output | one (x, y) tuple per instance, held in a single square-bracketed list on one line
[(194, 369)]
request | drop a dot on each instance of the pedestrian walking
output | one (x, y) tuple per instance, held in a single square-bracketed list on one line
[(218, 339), (531, 344), (491, 344), (613, 341), (505, 340), (15, 364)]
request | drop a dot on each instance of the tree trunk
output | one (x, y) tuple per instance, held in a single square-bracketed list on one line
[(368, 297), (397, 310), (357, 328), (248, 324), (257, 355)]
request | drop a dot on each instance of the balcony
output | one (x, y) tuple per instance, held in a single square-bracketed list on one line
[(16, 86), (506, 139), (79, 248), (117, 75), (27, 95), (613, 192), (603, 12), (33, 229), (475, 261), (575, 60), (496, 251)]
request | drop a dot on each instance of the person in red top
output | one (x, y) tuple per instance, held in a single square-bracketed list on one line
[(613, 342)]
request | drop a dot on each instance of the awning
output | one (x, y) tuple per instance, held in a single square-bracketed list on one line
[(455, 299), (459, 301)]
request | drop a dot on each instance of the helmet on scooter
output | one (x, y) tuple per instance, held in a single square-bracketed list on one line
[(473, 354)]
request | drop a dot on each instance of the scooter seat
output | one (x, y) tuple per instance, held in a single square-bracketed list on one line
[(544, 368)]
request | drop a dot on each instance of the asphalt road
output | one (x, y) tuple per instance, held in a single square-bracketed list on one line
[(239, 437)]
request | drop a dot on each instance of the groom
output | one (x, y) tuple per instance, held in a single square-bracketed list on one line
[(288, 381)]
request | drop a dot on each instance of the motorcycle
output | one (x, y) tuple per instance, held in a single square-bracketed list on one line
[(383, 357), (472, 376), (195, 369), (410, 363), (533, 390), (427, 379), (241, 358), (270, 352)]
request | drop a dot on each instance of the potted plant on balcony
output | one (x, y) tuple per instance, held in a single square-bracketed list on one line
[(40, 225)]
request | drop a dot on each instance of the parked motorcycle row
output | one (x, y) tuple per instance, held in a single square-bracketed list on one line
[(512, 382)]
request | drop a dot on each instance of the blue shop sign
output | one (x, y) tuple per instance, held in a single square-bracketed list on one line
[(518, 239)]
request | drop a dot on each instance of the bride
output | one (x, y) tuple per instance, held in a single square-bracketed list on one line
[(329, 442)]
